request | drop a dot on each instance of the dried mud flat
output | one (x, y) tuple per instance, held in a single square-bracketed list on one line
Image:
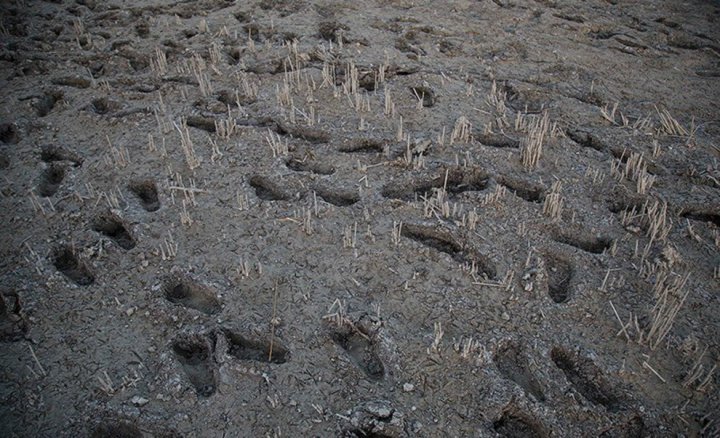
[(367, 218)]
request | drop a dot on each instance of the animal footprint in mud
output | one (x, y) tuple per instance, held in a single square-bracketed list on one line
[(340, 198), (587, 243), (268, 190), (361, 349), (559, 272), (306, 165), (66, 260), (47, 102), (243, 348), (454, 181), (53, 153), (13, 325), (515, 424), (112, 227), (526, 190), (513, 365), (587, 379), (116, 429), (147, 192), (51, 179), (188, 293), (194, 352), (444, 242)]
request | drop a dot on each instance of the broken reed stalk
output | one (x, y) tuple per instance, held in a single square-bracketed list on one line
[(553, 204), (669, 296), (187, 146), (531, 147)]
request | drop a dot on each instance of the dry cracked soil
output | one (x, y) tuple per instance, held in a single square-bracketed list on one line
[(370, 218)]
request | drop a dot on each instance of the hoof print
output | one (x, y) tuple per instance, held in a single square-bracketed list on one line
[(194, 353), (425, 95), (304, 165), (337, 198), (454, 181), (632, 428), (513, 365), (47, 102), (116, 429), (361, 349), (9, 133), (708, 215), (515, 424), (268, 190), (526, 190), (587, 243), (444, 242), (363, 146), (559, 273), (190, 294), (13, 325), (243, 348), (51, 179), (112, 227), (587, 379), (147, 192), (52, 153), (497, 140), (67, 262)]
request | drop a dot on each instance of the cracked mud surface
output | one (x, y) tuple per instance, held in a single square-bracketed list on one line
[(308, 218)]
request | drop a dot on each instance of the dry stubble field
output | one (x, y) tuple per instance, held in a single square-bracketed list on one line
[(370, 218)]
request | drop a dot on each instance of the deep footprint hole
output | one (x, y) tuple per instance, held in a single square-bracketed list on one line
[(361, 351), (267, 190), (559, 272), (51, 179), (67, 263), (513, 424), (193, 295), (113, 228), (586, 378), (147, 192), (243, 348), (195, 357)]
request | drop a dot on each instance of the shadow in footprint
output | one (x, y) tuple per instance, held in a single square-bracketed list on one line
[(51, 153), (587, 243), (112, 227), (444, 242), (147, 192), (526, 190), (559, 272), (51, 179), (586, 378), (513, 365), (116, 429), (47, 102), (188, 293), (268, 190), (305, 165), (243, 348), (13, 325), (337, 198), (9, 133), (195, 355), (67, 263), (515, 424), (361, 350), (454, 181), (363, 146), (708, 215)]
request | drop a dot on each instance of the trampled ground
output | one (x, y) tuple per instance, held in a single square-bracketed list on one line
[(369, 218)]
